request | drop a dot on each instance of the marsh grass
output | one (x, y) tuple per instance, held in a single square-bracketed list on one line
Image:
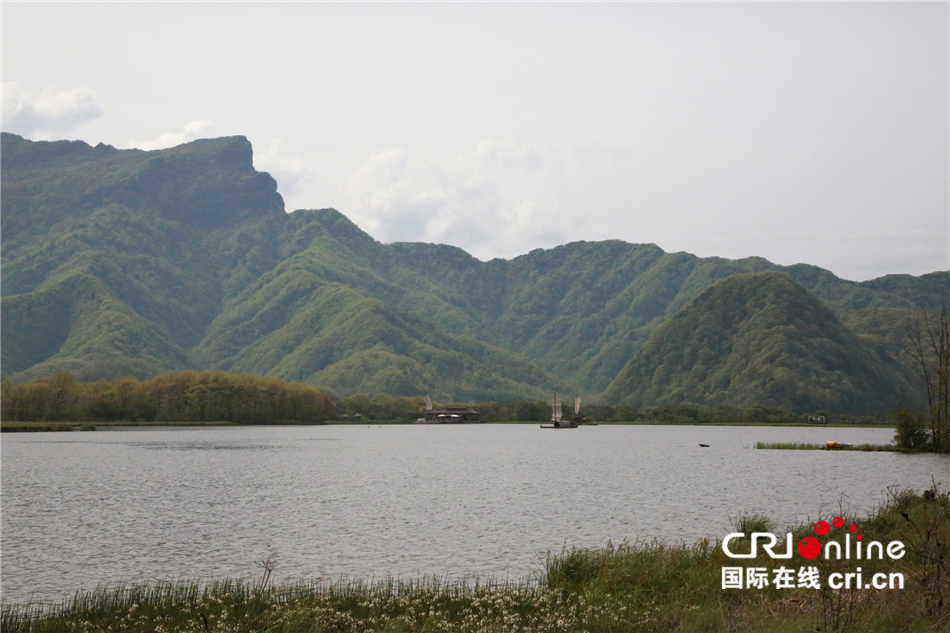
[(789, 446), (643, 586), (42, 427), (749, 522), (15, 426), (799, 446)]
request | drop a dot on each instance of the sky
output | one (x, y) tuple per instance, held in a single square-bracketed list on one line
[(799, 132)]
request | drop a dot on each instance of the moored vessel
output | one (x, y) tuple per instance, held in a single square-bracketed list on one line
[(558, 422)]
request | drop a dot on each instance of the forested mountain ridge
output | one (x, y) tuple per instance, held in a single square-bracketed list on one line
[(761, 339), (129, 262)]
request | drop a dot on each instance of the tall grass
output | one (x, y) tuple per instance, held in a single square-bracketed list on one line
[(749, 522), (790, 446), (799, 446)]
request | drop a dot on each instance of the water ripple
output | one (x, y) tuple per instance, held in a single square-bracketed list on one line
[(80, 510)]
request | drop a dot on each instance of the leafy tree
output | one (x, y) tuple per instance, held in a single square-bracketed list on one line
[(910, 429), (358, 403), (63, 397), (928, 344), (531, 410)]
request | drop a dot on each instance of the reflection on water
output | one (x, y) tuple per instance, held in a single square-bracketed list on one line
[(83, 509)]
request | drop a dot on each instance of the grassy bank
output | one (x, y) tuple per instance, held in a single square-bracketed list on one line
[(631, 587), (59, 427), (26, 427), (799, 446)]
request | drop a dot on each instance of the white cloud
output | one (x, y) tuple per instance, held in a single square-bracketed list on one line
[(48, 116), (505, 154), (192, 131), (494, 201), (293, 176)]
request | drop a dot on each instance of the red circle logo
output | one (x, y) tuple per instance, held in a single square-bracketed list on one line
[(809, 547)]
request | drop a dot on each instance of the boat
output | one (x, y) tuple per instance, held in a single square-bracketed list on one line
[(834, 445), (558, 421), (578, 420)]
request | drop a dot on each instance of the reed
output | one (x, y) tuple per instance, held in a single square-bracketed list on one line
[(798, 446), (790, 446), (749, 522)]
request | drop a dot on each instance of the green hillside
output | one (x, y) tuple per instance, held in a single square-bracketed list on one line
[(760, 339), (130, 262), (583, 310), (78, 324)]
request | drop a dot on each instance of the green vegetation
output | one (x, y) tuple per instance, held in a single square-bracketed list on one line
[(791, 446), (181, 397), (53, 427), (799, 446), (928, 345), (382, 407), (130, 263), (60, 403), (760, 338), (65, 427), (647, 586), (749, 522)]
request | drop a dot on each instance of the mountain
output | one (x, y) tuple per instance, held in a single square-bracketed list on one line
[(760, 339), (123, 262), (130, 262)]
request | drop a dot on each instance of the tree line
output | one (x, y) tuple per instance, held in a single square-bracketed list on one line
[(185, 396), (382, 407), (214, 396)]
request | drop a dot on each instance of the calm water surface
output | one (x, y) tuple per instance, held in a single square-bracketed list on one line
[(103, 508)]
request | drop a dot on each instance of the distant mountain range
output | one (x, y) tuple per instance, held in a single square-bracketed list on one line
[(127, 262)]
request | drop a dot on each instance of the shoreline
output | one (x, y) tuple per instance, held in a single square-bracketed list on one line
[(85, 426)]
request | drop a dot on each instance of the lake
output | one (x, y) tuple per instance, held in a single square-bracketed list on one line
[(131, 505)]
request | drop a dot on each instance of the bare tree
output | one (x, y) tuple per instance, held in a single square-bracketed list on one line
[(928, 343)]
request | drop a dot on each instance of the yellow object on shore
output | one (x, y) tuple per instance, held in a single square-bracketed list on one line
[(837, 445)]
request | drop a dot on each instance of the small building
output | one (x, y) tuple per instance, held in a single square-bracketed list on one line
[(453, 415)]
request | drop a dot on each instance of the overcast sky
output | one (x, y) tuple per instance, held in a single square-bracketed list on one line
[(807, 132)]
